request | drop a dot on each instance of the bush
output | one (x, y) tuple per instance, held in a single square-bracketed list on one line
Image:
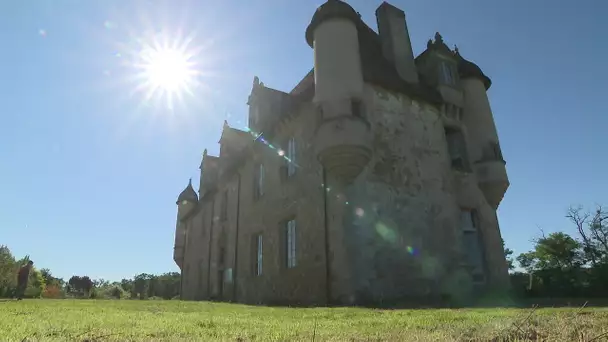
[(117, 292), (53, 291)]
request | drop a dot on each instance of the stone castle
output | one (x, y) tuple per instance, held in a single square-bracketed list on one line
[(375, 180)]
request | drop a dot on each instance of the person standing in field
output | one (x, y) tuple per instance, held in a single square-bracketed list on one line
[(22, 278)]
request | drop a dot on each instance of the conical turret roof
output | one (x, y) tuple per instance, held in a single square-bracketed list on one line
[(330, 9), (188, 194)]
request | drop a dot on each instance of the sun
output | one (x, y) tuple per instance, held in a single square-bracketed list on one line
[(166, 70)]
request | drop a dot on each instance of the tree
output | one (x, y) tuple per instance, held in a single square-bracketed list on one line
[(8, 269), (558, 250), (527, 261), (593, 230), (50, 280), (127, 285), (554, 265), (81, 285), (35, 285), (141, 283), (508, 256)]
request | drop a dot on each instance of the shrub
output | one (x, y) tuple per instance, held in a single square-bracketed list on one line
[(117, 292), (53, 291)]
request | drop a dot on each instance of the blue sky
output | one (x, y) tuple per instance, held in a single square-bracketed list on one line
[(90, 170)]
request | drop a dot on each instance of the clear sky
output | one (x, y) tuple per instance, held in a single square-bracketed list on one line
[(90, 167)]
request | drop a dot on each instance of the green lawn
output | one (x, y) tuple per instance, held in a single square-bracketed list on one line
[(107, 320)]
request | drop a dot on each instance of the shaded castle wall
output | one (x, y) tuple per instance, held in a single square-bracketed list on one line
[(402, 221)]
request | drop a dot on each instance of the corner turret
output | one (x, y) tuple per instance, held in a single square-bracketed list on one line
[(489, 164), (187, 196), (343, 140), (186, 202)]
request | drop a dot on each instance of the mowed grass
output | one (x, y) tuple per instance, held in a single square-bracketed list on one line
[(131, 320)]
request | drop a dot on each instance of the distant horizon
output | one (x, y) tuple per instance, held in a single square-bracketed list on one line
[(96, 152)]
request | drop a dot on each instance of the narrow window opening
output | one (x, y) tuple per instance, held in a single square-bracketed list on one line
[(224, 210), (291, 157), (457, 149), (290, 246), (472, 244), (222, 255), (258, 255), (258, 181), (357, 108)]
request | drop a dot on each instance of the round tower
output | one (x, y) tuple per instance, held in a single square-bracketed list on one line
[(186, 202), (343, 140), (485, 149)]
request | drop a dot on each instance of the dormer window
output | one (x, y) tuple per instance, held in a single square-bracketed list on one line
[(446, 73)]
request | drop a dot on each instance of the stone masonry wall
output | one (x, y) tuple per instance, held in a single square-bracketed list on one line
[(195, 276), (394, 234), (403, 212), (192, 257), (223, 242), (300, 197)]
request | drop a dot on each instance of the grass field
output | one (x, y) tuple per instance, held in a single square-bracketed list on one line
[(129, 320)]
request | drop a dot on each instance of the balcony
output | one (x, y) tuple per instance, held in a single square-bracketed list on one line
[(492, 180), (343, 144)]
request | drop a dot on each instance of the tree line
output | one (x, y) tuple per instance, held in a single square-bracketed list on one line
[(43, 284), (561, 265)]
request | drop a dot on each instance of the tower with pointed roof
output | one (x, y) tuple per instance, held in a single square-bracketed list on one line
[(376, 179), (186, 203)]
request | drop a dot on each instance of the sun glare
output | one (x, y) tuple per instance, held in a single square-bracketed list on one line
[(166, 71)]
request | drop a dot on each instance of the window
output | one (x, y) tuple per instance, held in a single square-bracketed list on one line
[(357, 108), (290, 243), (255, 114), (222, 255), (259, 181), (446, 73), (291, 157), (457, 149), (228, 275), (453, 111), (472, 243), (258, 247), (224, 208)]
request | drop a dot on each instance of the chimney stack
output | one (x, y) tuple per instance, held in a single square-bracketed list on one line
[(395, 38)]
